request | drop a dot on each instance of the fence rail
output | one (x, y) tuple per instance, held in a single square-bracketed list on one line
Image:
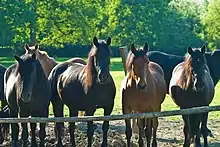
[(112, 117)]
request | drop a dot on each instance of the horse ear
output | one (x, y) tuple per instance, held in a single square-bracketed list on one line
[(36, 46), (33, 56), (146, 49), (189, 50), (95, 41), (26, 47), (203, 49), (108, 41), (18, 59), (133, 49)]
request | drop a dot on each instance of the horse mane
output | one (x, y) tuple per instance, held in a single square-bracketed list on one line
[(187, 72), (43, 53), (90, 65), (129, 61)]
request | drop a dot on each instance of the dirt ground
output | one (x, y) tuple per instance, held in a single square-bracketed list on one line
[(169, 134)]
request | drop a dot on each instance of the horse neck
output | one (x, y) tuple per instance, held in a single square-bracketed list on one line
[(47, 65), (40, 75)]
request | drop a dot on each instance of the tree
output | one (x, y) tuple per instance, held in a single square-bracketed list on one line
[(212, 25)]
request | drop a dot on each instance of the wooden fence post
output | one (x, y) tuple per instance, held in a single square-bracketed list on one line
[(123, 54)]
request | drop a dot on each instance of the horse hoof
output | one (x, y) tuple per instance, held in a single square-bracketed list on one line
[(42, 144), (33, 144), (14, 144), (59, 144), (104, 144), (210, 134)]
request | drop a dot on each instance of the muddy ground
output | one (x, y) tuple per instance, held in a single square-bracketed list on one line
[(169, 134)]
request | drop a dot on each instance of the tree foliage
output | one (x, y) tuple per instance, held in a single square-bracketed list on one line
[(212, 24), (168, 25)]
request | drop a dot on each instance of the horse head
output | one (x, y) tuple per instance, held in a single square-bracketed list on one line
[(139, 66), (198, 63), (101, 54), (27, 76)]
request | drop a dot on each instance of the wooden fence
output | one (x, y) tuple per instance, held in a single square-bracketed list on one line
[(112, 117)]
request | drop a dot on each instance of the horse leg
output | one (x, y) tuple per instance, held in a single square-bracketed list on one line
[(90, 130), (58, 112), (186, 130), (197, 130), (42, 132), (33, 135), (148, 130), (72, 126), (155, 126), (105, 126), (140, 132), (24, 135), (128, 130), (14, 128), (204, 129)]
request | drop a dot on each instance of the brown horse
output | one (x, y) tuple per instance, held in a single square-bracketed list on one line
[(84, 88), (143, 90), (192, 86), (27, 92)]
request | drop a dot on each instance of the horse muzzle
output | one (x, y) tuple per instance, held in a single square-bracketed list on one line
[(103, 78), (142, 87), (26, 98)]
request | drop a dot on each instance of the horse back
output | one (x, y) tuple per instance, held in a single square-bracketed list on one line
[(73, 81)]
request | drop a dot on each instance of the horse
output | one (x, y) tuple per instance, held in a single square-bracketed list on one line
[(213, 58), (191, 85), (48, 63), (84, 88), (2, 72), (142, 90), (27, 92), (4, 127), (169, 61)]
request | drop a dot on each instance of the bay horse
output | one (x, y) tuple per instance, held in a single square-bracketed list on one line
[(142, 90), (192, 86), (27, 92), (84, 88)]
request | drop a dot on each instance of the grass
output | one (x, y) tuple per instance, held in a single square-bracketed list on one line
[(118, 74)]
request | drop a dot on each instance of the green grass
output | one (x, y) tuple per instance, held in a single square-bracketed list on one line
[(118, 74)]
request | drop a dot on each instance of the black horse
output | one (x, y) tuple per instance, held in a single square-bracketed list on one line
[(4, 127), (27, 92), (169, 61), (2, 72), (191, 85), (84, 88)]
